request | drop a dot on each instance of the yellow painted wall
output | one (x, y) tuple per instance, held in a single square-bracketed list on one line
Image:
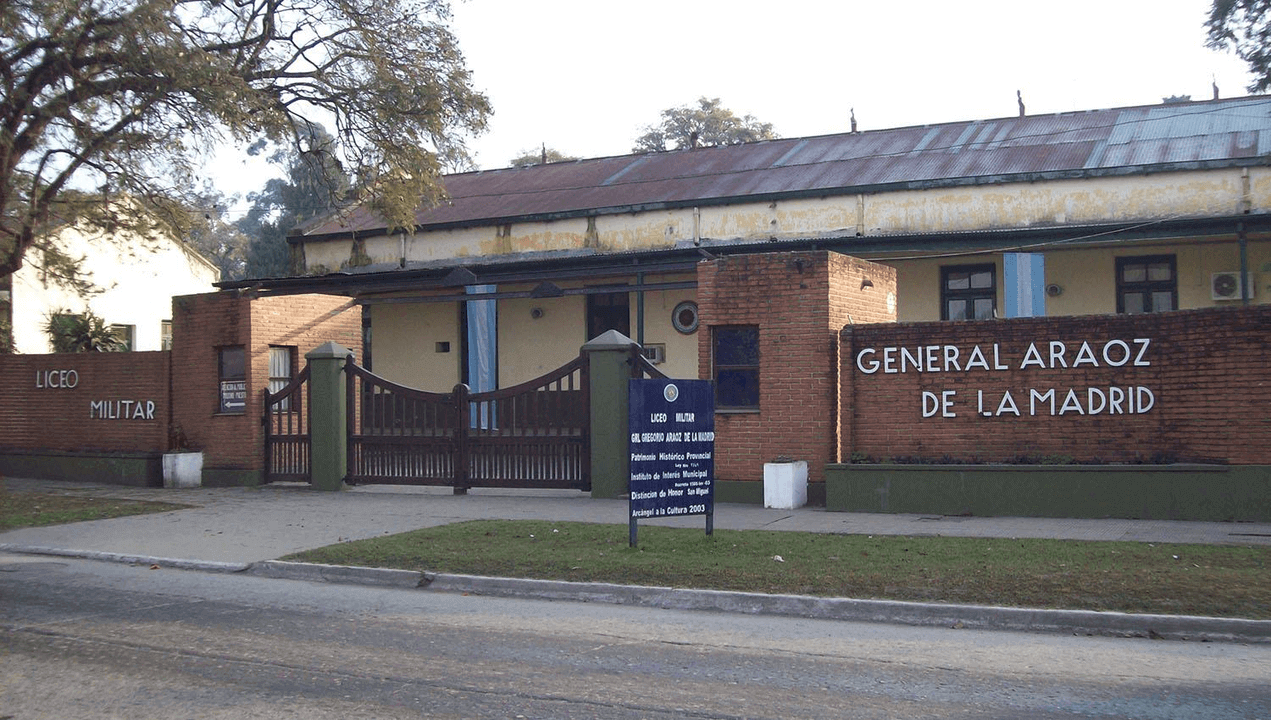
[(404, 344), (681, 349), (1087, 277), (404, 336), (1212, 193), (529, 346)]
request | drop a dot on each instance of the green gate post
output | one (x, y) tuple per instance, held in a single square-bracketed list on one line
[(328, 435), (609, 369)]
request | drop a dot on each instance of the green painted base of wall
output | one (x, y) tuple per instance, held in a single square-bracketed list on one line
[(231, 477), (1157, 492), (133, 469), (747, 492), (750, 492)]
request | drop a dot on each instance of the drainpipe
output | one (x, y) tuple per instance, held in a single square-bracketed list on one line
[(1244, 263), (640, 307)]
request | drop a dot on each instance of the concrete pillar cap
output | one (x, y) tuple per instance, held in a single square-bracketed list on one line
[(609, 340), (327, 350)]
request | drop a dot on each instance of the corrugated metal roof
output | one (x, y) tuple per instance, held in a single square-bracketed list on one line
[(1092, 142)]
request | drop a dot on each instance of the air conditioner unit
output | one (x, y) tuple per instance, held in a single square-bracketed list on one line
[(655, 354), (1226, 285)]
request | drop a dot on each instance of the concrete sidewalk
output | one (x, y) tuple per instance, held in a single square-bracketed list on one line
[(234, 529), (247, 525)]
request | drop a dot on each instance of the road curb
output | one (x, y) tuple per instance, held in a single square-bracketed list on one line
[(977, 617), (971, 617), (314, 572), (164, 562)]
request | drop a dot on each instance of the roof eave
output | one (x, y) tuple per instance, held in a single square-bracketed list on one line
[(806, 193)]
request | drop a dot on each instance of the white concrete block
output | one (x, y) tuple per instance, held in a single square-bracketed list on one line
[(785, 484), (183, 470)]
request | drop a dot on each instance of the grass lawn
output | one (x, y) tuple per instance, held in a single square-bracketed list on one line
[(1222, 581), (34, 509)]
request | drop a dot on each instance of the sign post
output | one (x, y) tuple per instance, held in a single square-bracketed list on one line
[(672, 447)]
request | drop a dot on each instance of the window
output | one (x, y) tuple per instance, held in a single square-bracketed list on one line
[(684, 317), (1146, 284), (608, 311), (125, 335), (968, 292), (282, 368), (232, 371), (165, 334), (736, 361)]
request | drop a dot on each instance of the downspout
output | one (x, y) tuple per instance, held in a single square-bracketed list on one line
[(1246, 205), (639, 307), (1244, 263)]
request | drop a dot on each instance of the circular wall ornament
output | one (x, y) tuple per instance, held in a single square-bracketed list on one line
[(684, 317), (671, 393)]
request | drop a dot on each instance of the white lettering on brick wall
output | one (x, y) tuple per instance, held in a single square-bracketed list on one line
[(121, 410), (53, 379), (1040, 355)]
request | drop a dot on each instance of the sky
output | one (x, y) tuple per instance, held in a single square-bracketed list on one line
[(587, 77)]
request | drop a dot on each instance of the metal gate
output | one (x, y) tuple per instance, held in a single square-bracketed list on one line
[(533, 435), (286, 421)]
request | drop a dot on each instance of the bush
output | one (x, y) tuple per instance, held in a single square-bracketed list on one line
[(80, 332)]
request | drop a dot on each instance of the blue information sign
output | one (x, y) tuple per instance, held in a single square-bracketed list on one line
[(672, 446)]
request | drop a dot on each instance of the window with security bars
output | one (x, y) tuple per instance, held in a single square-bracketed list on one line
[(1147, 284), (968, 292), (282, 368)]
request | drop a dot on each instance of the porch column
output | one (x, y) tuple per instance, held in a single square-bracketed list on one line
[(328, 439), (608, 371)]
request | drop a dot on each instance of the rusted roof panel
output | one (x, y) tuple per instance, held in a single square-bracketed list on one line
[(1067, 144)]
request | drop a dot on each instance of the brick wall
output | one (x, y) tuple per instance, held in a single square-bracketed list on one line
[(233, 442), (1205, 374), (89, 402), (799, 301)]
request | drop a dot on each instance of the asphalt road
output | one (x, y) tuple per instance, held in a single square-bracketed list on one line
[(83, 639)]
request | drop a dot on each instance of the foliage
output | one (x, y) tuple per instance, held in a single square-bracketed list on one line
[(315, 185), (541, 156), (6, 332), (706, 125), (80, 332), (127, 96), (217, 239), (1120, 576), (1244, 27)]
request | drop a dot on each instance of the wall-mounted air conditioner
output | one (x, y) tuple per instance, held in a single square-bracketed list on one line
[(656, 354), (1226, 285)]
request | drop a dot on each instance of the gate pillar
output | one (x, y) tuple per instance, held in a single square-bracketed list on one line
[(609, 369), (328, 406)]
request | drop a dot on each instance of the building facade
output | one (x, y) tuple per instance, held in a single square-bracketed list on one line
[(1128, 210), (133, 278)]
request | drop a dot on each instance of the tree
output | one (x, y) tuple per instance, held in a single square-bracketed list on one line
[(122, 97), (217, 239), (542, 156), (1244, 27), (315, 185), (80, 332), (706, 125)]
